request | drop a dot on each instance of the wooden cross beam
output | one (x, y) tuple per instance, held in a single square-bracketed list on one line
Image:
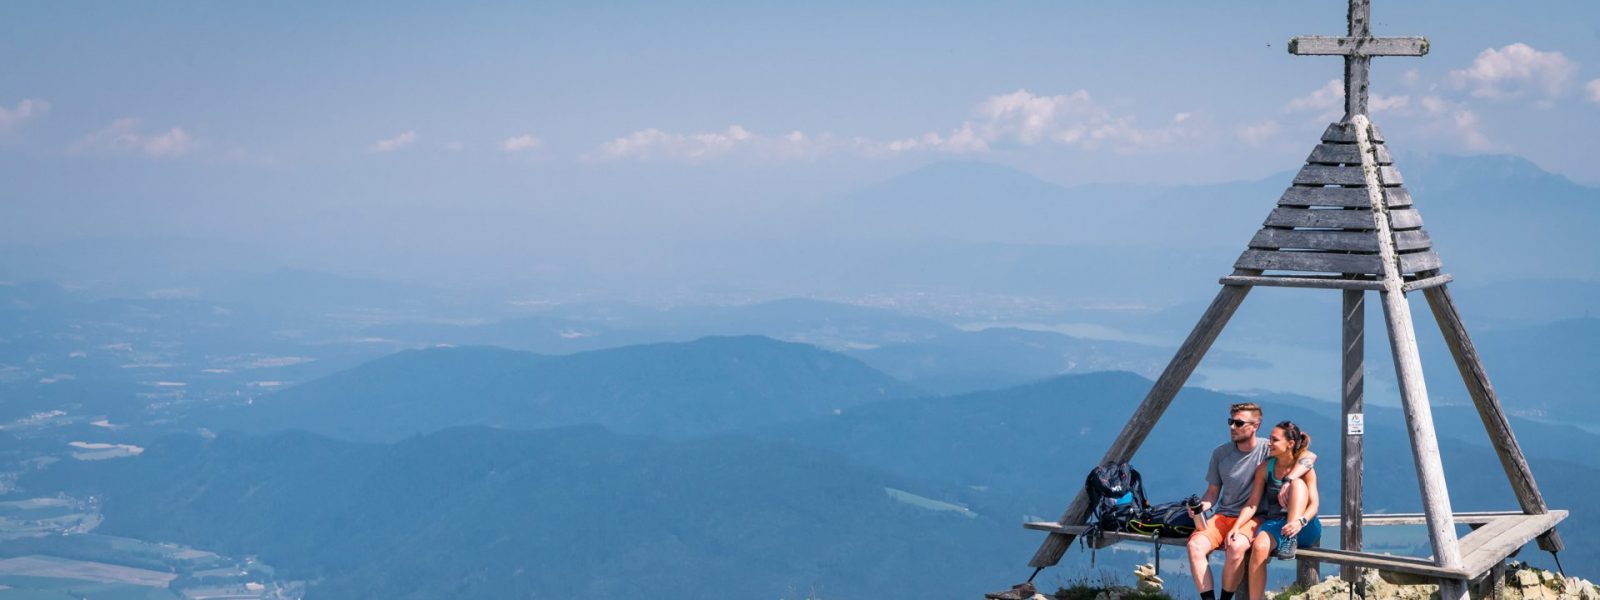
[(1358, 48)]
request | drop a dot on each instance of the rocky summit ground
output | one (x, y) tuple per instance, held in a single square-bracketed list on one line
[(1522, 583)]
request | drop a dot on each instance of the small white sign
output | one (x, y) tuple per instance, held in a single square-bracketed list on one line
[(1354, 424)]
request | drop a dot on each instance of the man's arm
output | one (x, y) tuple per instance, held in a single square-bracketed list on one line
[(1308, 459), (1306, 462), (1210, 497)]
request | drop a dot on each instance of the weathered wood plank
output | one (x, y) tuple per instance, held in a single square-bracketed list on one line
[(1395, 197), (1317, 262), (1342, 241), (1486, 554), (1343, 133), (1322, 45), (1417, 262), (1353, 374), (1475, 538), (1284, 216), (1486, 551), (1344, 175), (1383, 562), (1487, 402), (1407, 218), (1381, 519), (1327, 283), (1413, 389), (1346, 154), (1346, 241), (1427, 282), (1150, 410)]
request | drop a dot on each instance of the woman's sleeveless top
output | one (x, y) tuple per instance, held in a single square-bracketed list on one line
[(1270, 507)]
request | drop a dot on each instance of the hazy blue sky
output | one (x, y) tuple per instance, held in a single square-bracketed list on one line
[(469, 124)]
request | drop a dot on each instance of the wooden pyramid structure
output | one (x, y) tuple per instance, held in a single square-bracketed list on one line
[(1347, 223)]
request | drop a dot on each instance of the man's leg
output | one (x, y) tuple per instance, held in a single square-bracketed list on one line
[(1200, 547), (1233, 561)]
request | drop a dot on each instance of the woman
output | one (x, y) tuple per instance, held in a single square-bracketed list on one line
[(1286, 525)]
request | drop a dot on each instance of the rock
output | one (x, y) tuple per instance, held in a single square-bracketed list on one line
[(1522, 583), (1527, 578), (1146, 579)]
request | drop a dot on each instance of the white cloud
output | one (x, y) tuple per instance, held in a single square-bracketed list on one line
[(175, 142), (1453, 120), (1378, 104), (124, 136), (1325, 98), (1511, 71), (1075, 119), (1328, 101), (1019, 118), (520, 143), (395, 143), (1593, 90), (26, 110), (655, 144), (1258, 133)]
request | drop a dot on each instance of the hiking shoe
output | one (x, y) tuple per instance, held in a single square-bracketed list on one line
[(1286, 547)]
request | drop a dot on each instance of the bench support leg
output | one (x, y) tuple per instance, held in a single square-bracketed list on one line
[(1149, 411)]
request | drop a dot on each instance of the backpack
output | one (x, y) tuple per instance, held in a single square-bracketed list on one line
[(1116, 497), (1170, 519)]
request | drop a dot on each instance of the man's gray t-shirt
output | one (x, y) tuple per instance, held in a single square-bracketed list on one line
[(1234, 472)]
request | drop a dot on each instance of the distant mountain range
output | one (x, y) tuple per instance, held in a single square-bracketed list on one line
[(677, 389), (580, 327), (1002, 357), (574, 512), (920, 497)]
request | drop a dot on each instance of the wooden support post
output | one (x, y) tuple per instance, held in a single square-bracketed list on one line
[(1424, 442), (1354, 389), (1356, 66), (1150, 410), (1307, 572), (1408, 372), (1495, 582), (1489, 410)]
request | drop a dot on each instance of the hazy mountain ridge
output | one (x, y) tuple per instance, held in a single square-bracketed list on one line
[(474, 509), (1002, 357), (674, 389), (577, 512)]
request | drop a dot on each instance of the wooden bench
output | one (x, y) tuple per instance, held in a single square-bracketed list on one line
[(1495, 537)]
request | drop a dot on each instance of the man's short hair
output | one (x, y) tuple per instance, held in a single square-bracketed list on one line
[(1250, 407)]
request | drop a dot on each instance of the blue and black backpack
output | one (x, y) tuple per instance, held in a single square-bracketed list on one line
[(1116, 497)]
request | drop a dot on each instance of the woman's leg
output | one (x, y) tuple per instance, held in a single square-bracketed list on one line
[(1299, 500), (1260, 551)]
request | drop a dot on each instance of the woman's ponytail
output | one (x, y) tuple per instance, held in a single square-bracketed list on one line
[(1299, 441)]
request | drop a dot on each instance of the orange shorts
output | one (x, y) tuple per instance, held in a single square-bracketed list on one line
[(1221, 525)]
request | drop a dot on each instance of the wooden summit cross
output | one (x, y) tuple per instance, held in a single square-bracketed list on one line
[(1348, 223)]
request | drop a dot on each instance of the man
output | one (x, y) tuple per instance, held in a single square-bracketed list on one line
[(1228, 477)]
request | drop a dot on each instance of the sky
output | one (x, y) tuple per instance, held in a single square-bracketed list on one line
[(467, 125)]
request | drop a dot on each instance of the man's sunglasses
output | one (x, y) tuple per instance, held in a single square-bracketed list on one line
[(1239, 423)]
